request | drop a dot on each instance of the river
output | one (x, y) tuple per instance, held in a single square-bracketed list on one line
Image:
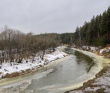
[(57, 77)]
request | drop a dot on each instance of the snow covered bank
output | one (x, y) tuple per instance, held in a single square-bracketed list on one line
[(8, 70), (98, 50), (101, 82)]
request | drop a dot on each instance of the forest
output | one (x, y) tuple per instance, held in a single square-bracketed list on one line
[(15, 45), (93, 33)]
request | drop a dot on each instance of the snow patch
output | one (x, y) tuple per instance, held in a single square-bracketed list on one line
[(77, 91), (92, 89), (31, 65)]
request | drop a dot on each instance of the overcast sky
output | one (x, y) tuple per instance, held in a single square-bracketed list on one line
[(47, 16)]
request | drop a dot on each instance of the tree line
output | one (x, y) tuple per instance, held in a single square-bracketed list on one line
[(15, 45), (94, 33), (67, 38)]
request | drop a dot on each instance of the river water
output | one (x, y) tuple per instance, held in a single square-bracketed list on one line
[(59, 76)]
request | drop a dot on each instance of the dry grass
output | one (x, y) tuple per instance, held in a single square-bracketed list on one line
[(28, 70), (1, 73), (14, 74)]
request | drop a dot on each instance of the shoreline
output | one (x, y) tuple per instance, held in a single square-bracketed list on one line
[(99, 59), (104, 65), (26, 78), (35, 67), (50, 65)]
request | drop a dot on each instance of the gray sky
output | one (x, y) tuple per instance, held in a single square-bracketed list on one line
[(46, 16)]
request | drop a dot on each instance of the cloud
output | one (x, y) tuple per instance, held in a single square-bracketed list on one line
[(40, 16)]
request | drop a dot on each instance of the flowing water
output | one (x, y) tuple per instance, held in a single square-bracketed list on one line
[(57, 77)]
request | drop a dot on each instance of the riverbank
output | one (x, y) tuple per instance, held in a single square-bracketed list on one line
[(60, 76), (9, 70), (54, 79), (101, 82)]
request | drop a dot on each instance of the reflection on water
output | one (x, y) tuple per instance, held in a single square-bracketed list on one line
[(72, 70), (84, 58), (81, 58)]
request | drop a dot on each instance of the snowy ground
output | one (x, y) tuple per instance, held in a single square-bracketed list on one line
[(98, 85), (7, 68), (98, 50)]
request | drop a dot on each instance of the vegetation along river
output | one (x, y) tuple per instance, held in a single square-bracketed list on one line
[(58, 77)]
